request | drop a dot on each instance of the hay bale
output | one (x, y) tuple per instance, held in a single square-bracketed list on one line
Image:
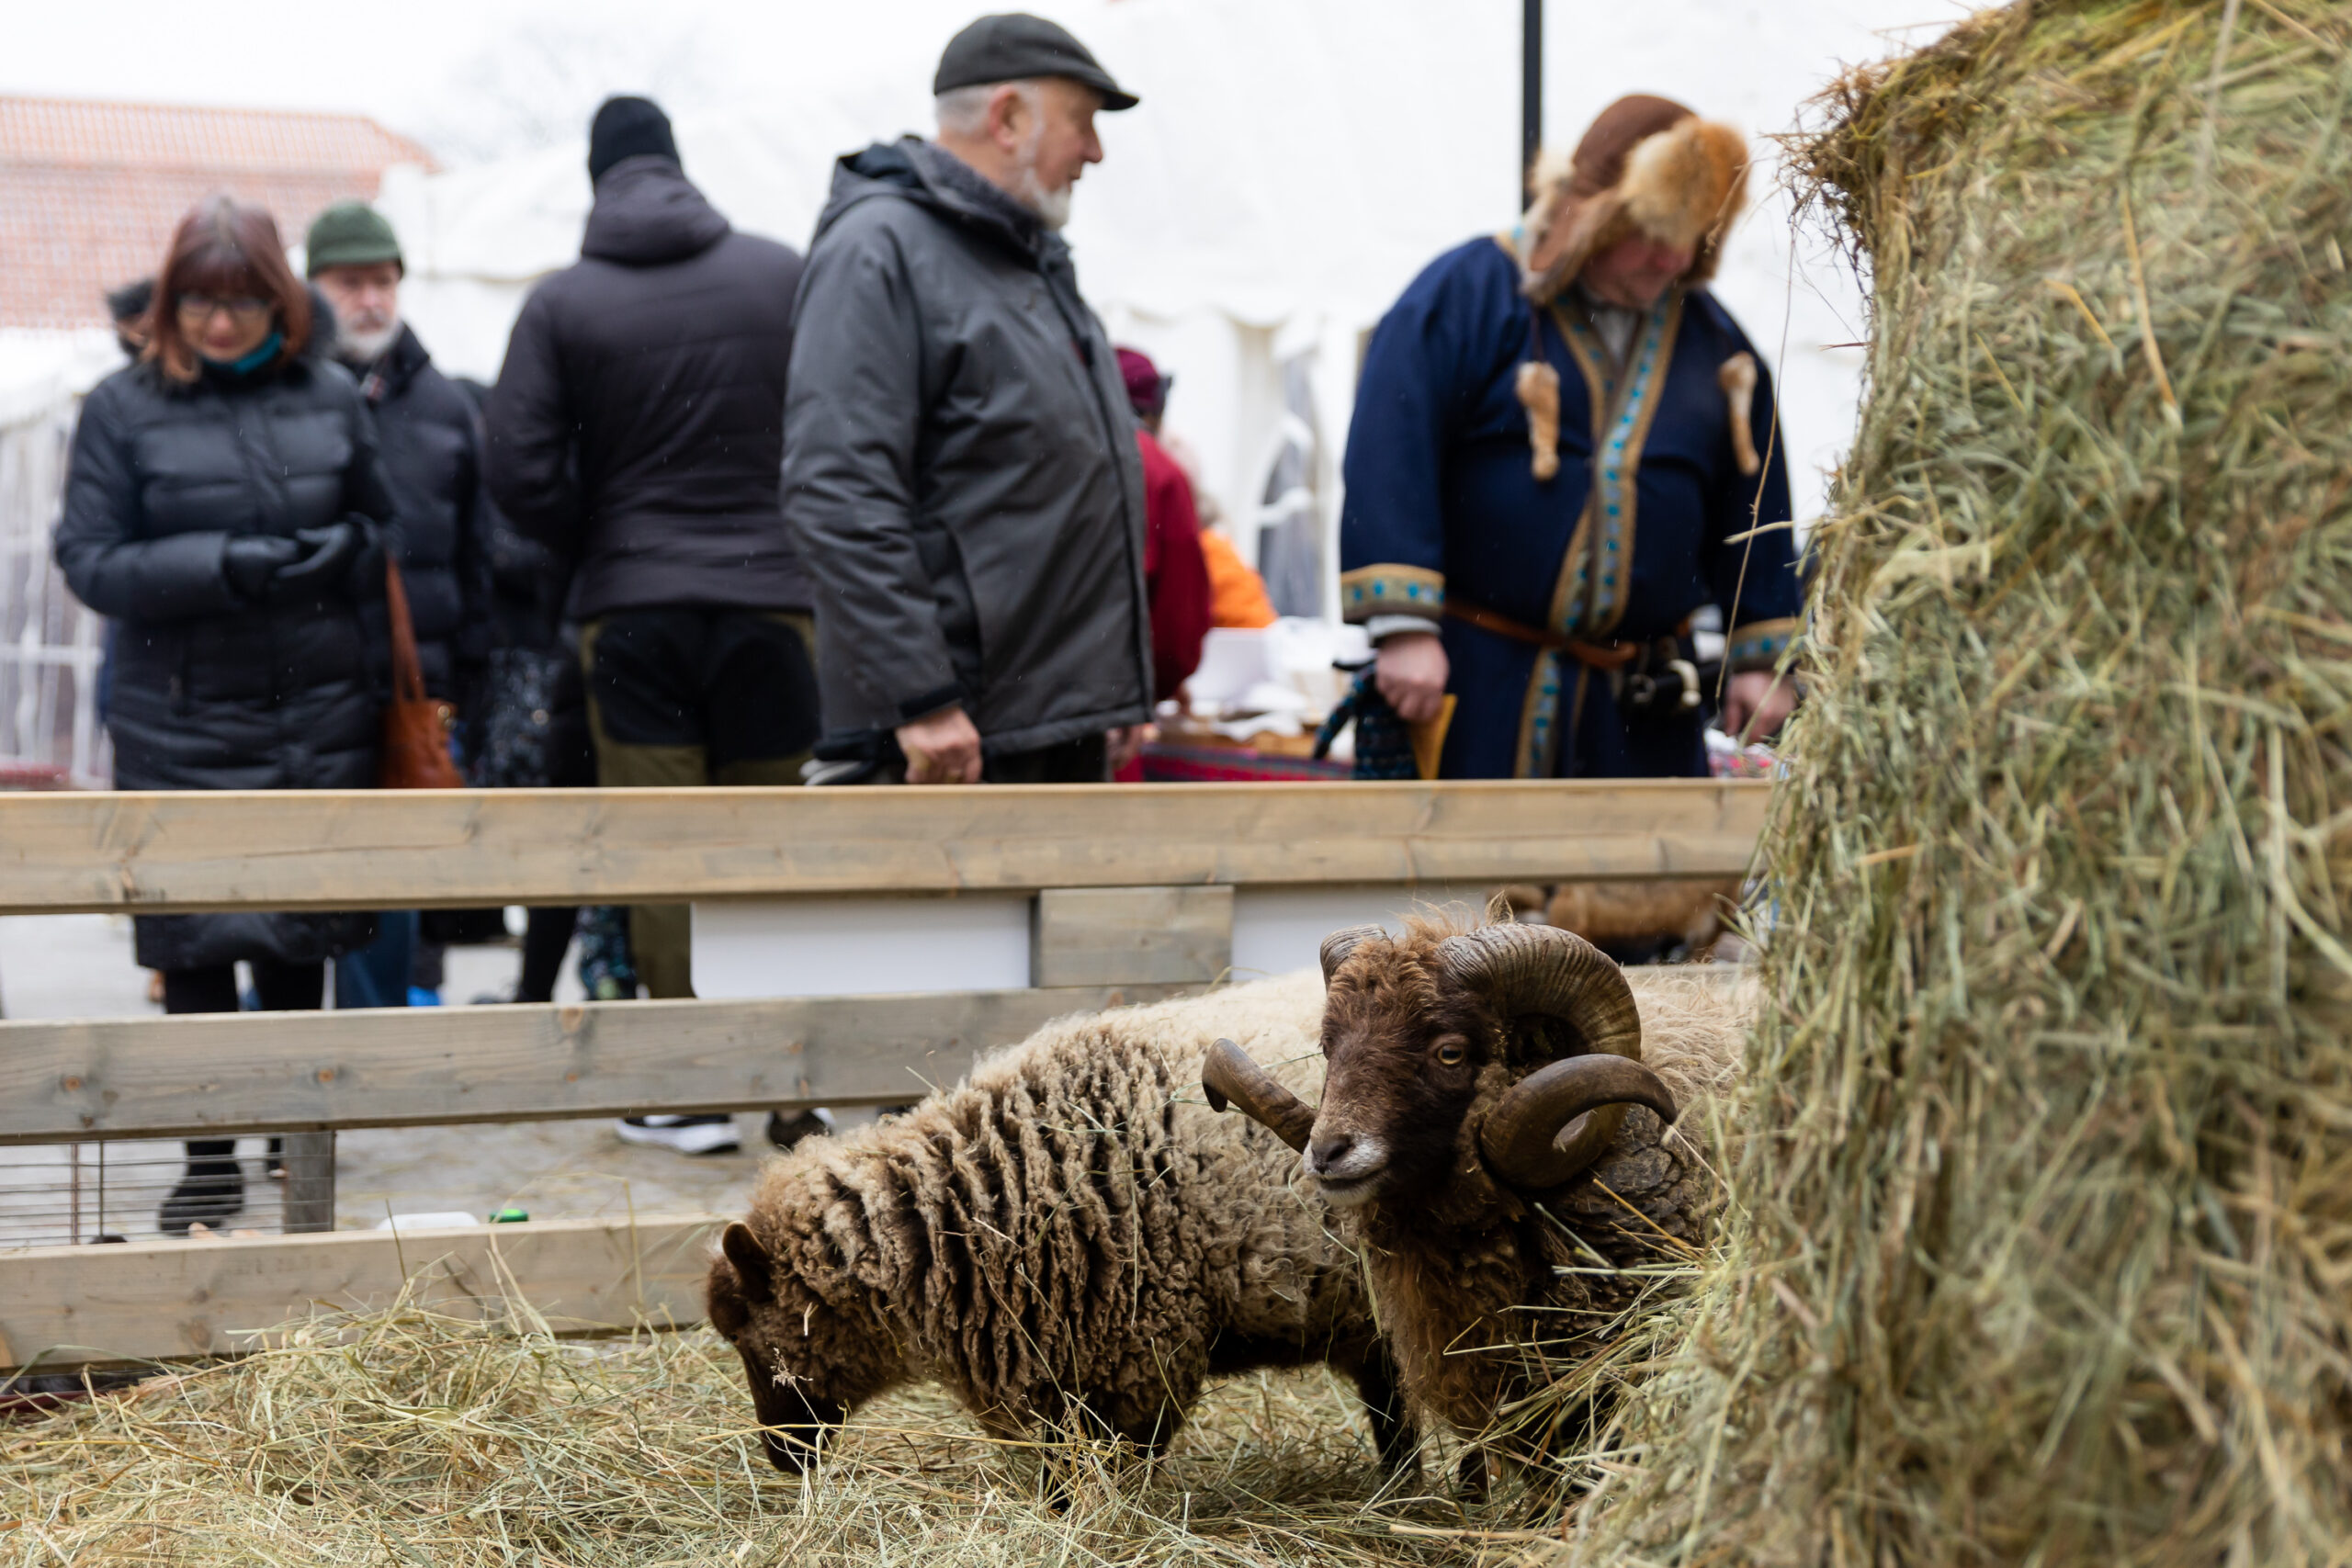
[(2044, 1238)]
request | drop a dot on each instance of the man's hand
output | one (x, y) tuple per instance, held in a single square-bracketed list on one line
[(1411, 674), (1756, 704), (1125, 744), (941, 748)]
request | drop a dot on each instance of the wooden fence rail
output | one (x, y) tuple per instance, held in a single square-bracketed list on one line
[(424, 849), (150, 1300), (205, 1074), (1137, 895)]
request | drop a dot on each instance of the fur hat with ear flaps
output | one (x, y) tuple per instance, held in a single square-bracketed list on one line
[(1648, 166)]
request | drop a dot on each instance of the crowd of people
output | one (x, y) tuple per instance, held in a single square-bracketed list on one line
[(891, 512)]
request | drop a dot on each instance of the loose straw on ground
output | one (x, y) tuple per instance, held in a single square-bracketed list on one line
[(407, 1437)]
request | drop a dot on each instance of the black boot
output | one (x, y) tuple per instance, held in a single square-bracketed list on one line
[(212, 1191), (787, 1133)]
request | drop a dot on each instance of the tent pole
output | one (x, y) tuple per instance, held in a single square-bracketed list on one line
[(1531, 96)]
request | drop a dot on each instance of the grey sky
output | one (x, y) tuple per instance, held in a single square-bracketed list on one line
[(427, 66)]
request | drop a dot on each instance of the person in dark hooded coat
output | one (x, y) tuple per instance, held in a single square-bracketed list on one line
[(638, 430), (961, 464), (223, 507), (429, 435)]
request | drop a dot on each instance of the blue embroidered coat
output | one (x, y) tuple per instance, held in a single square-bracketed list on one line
[(1442, 502)]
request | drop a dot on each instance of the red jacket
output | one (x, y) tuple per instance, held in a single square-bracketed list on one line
[(1175, 574)]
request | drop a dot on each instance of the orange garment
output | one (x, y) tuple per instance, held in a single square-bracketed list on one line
[(1236, 594)]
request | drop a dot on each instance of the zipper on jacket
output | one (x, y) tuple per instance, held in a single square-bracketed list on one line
[(1111, 438)]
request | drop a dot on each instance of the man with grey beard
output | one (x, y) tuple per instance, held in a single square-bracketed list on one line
[(431, 446), (960, 461)]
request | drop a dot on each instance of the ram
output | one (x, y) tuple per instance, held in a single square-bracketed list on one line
[(1068, 1240), (1496, 1134)]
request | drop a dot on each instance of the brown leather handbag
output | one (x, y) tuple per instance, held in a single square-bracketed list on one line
[(416, 727)]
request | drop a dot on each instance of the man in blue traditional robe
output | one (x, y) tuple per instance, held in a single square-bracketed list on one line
[(1563, 448)]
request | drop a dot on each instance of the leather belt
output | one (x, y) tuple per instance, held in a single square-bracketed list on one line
[(1609, 655)]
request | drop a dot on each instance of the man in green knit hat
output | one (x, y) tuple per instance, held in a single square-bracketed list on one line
[(432, 456)]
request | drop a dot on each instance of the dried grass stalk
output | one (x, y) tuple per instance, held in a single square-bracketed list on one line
[(409, 1436), (2041, 1247)]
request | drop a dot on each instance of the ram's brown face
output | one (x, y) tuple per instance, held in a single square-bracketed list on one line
[(1412, 1034), (806, 1369), (1403, 1053)]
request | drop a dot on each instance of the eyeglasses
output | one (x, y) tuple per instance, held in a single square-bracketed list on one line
[(199, 308)]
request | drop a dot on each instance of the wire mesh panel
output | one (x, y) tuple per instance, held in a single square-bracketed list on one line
[(56, 1194)]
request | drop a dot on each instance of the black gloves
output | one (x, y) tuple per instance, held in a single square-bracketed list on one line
[(334, 550), (341, 558), (249, 560)]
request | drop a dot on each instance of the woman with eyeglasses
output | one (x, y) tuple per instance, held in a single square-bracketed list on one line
[(223, 507)]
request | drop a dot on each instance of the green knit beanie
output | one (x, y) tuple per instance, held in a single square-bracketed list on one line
[(350, 233)]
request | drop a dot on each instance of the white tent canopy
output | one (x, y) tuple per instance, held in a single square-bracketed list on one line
[(1294, 163)]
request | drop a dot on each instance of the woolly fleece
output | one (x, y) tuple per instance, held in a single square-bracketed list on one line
[(1069, 1232)]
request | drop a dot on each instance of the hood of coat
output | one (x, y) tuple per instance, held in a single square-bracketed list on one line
[(919, 172), (649, 213)]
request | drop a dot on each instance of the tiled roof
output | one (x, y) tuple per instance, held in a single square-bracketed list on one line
[(90, 192)]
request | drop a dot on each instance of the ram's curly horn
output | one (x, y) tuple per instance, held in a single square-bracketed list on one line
[(1541, 969), (1522, 970), (1338, 944), (1557, 1119), (1229, 1074)]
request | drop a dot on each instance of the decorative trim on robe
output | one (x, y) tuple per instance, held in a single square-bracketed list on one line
[(1589, 599), (1391, 589), (1760, 644)]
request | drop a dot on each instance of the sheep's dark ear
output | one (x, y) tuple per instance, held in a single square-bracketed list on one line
[(752, 1264), (722, 1303)]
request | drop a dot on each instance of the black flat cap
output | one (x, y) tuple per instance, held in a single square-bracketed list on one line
[(1013, 46)]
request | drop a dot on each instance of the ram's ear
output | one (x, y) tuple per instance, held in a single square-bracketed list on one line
[(752, 1264)]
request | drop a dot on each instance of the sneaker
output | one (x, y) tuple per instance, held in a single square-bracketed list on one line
[(212, 1191), (681, 1134), (784, 1132)]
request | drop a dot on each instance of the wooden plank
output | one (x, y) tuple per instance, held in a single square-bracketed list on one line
[(310, 1183), (1110, 936), (202, 1074), (403, 848), (146, 1301)]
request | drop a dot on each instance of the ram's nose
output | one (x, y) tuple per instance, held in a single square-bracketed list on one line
[(1345, 1163)]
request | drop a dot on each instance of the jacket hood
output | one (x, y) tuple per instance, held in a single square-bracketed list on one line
[(647, 213), (916, 171)]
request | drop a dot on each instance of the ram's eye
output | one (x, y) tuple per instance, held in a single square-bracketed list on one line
[(1452, 1054)]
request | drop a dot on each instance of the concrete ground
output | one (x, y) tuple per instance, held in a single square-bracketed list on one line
[(80, 966)]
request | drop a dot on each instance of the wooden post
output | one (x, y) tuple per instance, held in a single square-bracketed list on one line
[(310, 1182), (1531, 98)]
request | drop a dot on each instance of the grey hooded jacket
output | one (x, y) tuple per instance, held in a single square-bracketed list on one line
[(960, 467)]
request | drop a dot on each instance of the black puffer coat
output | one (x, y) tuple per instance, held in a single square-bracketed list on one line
[(432, 456), (212, 691), (637, 423)]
